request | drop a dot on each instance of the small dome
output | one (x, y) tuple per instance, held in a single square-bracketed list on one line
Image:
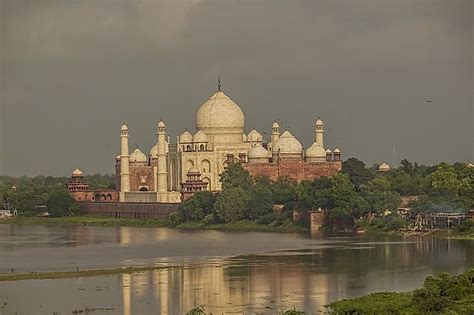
[(319, 122), (138, 156), (315, 151), (200, 137), (328, 151), (287, 143), (186, 137), (336, 150), (258, 152), (154, 150), (118, 157), (254, 136), (384, 167), (275, 125), (124, 127), (77, 172), (244, 137), (161, 124)]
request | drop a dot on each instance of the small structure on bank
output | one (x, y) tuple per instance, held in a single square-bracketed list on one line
[(193, 184), (384, 167)]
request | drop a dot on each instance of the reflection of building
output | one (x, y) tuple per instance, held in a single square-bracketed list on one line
[(218, 141)]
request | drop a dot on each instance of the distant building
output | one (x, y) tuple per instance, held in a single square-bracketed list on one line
[(384, 167), (172, 172), (81, 192)]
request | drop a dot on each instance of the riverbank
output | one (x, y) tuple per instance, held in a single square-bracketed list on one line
[(440, 294), (77, 273), (244, 226)]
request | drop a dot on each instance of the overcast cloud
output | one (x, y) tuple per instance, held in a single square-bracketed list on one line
[(73, 70)]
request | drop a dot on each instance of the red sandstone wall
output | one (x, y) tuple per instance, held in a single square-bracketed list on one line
[(136, 173), (129, 209), (91, 196), (298, 170)]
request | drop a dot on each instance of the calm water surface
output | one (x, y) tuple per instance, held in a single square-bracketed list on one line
[(227, 272)]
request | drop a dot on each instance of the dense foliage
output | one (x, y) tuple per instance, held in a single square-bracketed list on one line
[(31, 196), (349, 196), (440, 294)]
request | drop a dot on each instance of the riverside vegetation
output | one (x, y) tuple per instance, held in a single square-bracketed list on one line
[(246, 203), (440, 294)]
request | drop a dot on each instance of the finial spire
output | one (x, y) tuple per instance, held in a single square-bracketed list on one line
[(219, 84)]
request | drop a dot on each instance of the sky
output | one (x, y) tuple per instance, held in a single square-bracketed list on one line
[(71, 71)]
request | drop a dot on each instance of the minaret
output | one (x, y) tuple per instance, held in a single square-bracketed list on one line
[(124, 163), (162, 173), (319, 132), (275, 133)]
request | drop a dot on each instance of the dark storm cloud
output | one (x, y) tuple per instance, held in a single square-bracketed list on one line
[(73, 70)]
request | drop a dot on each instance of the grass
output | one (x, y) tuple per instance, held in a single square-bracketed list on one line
[(76, 274), (245, 225), (85, 221)]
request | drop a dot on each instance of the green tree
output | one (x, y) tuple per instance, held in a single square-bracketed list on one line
[(357, 172), (236, 176), (284, 190), (231, 204), (261, 201), (379, 195), (60, 203), (444, 181), (196, 207)]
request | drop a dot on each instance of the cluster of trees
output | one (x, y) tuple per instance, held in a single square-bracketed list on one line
[(241, 198), (33, 195), (349, 195)]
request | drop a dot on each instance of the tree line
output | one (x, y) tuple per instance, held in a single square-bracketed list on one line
[(353, 193), (348, 196)]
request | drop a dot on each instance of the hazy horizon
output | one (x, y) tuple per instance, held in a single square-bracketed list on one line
[(72, 72)]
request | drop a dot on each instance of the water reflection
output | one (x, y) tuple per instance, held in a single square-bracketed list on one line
[(262, 283), (226, 272)]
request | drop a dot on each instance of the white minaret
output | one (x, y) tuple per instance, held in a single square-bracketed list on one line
[(319, 132), (275, 133), (162, 173), (124, 163)]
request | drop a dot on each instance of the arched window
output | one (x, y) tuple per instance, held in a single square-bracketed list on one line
[(188, 147), (143, 189), (206, 166), (201, 147)]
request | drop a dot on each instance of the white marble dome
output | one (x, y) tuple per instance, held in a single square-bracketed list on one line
[(254, 136), (138, 156), (287, 144), (258, 152), (186, 137), (384, 167), (221, 118), (315, 151), (200, 137), (77, 172)]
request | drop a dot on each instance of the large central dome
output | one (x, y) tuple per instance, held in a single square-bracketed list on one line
[(221, 119)]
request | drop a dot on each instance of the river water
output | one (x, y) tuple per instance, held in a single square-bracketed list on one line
[(227, 272)]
